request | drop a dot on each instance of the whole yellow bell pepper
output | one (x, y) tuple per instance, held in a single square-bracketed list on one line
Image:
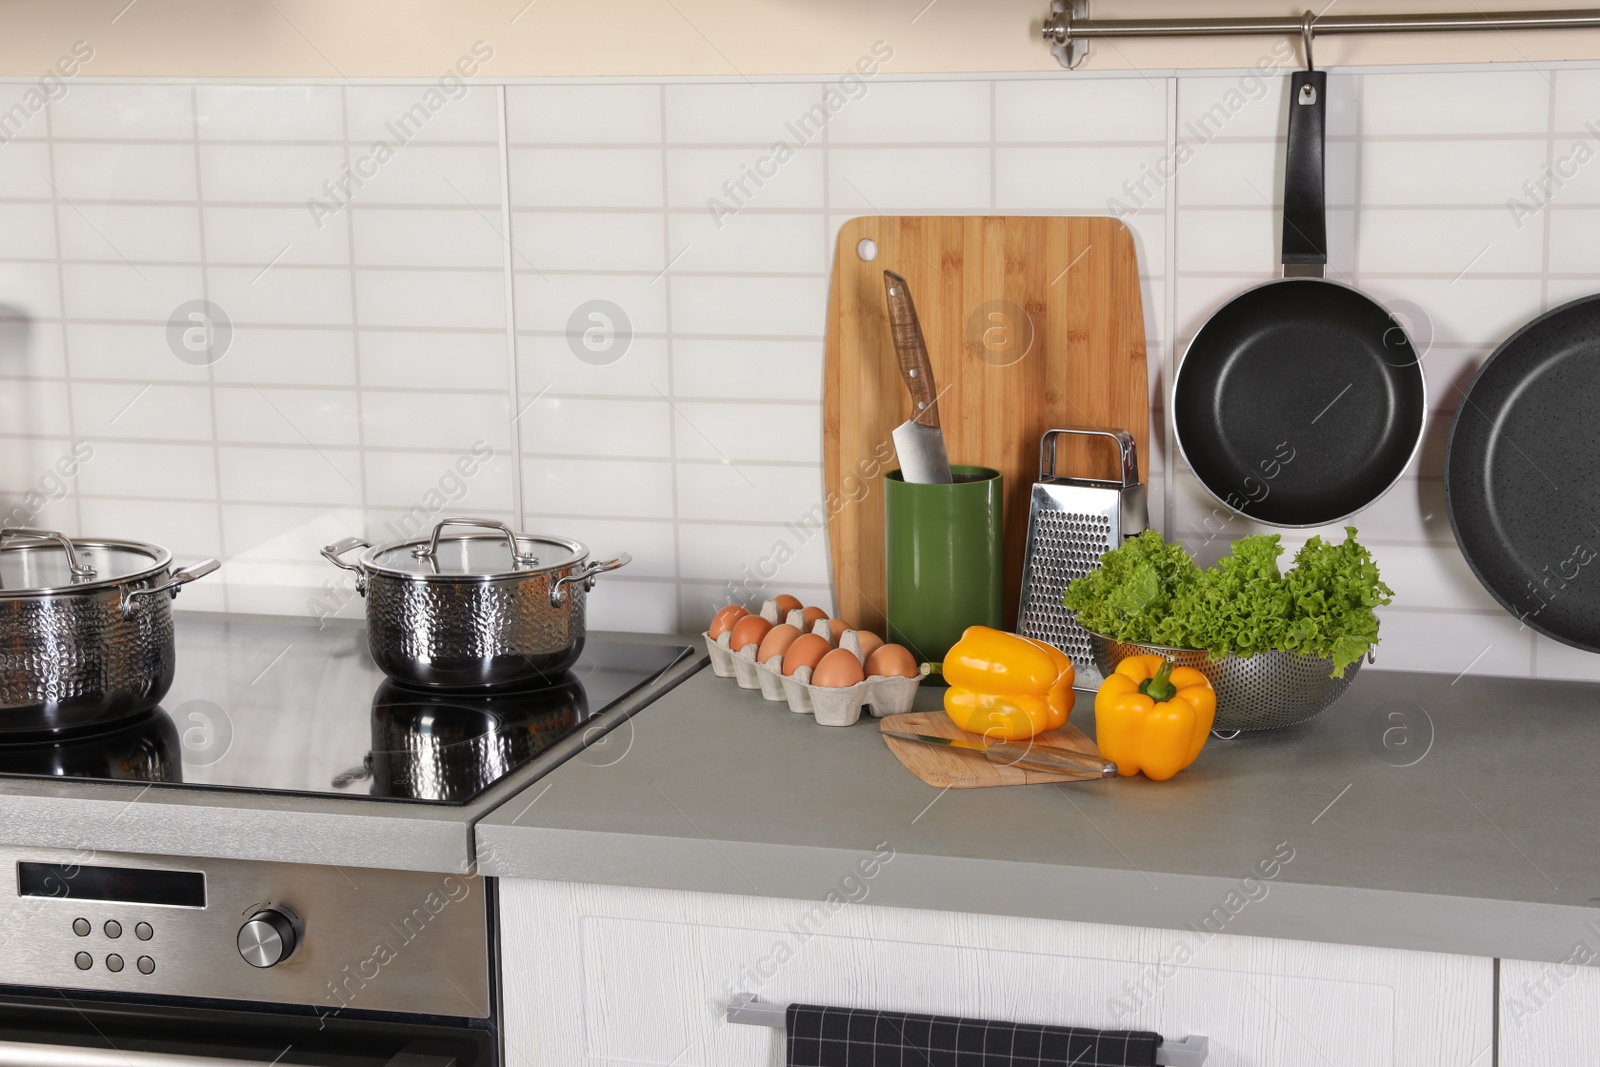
[(1152, 717), (1006, 687)]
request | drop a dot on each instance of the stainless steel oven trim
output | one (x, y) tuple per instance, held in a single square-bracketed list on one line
[(25, 1054), (375, 940)]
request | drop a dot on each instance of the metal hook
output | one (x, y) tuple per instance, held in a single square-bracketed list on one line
[(1307, 32)]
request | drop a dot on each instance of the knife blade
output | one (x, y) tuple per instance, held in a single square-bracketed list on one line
[(1033, 757), (918, 442)]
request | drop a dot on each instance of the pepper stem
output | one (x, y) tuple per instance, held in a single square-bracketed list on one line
[(1160, 688)]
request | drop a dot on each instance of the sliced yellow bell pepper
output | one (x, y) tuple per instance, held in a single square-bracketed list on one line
[(1152, 717), (1006, 687)]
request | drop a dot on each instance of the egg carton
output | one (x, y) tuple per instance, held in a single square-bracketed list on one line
[(880, 695)]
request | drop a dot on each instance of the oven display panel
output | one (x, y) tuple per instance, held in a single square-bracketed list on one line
[(126, 885)]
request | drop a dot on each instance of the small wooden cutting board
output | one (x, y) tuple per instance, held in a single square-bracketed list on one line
[(949, 768)]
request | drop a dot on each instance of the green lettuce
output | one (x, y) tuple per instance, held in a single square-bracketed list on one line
[(1150, 592)]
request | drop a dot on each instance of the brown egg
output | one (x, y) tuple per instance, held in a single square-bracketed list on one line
[(838, 669), (778, 639), (786, 604), (812, 615), (838, 627), (723, 620), (892, 661), (806, 651), (870, 643), (749, 630)]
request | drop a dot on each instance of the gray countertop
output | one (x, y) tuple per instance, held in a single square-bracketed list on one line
[(1420, 813)]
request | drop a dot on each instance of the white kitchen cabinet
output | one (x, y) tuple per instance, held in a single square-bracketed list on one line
[(1550, 1012), (604, 976)]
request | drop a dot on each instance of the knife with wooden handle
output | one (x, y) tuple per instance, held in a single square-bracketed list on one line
[(918, 442), (1026, 756)]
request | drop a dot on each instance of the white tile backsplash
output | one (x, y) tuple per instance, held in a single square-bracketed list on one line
[(90, 171), (903, 181), (586, 177), (430, 298), (30, 231), (268, 113), (567, 426), (370, 333), (593, 240), (914, 111), (583, 114), (744, 112), (26, 172), (124, 291), (1441, 102), (403, 115), (1096, 109), (259, 235), (753, 178), (138, 232), (124, 112)]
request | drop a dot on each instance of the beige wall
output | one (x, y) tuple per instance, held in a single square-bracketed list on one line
[(411, 38)]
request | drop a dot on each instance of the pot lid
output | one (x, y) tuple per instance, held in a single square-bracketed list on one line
[(482, 554), (42, 561)]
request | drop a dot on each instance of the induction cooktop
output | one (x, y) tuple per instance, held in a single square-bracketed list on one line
[(271, 707)]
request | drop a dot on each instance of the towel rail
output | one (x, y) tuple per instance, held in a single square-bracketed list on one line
[(1068, 27), (746, 1009)]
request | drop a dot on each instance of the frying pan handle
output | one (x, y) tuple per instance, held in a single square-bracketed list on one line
[(1128, 452), (1305, 220)]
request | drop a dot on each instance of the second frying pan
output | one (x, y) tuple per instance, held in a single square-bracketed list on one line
[(1300, 401), (1522, 474)]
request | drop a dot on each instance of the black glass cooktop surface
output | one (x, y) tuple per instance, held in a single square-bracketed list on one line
[(281, 707)]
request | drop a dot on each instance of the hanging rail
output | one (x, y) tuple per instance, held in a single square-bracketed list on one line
[(1068, 27)]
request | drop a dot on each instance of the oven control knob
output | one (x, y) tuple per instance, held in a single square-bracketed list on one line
[(267, 938)]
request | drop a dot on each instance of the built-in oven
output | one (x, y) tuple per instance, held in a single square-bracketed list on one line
[(113, 960)]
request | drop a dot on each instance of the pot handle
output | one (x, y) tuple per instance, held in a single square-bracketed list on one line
[(178, 580), (558, 592), (332, 552), (488, 524), (80, 571)]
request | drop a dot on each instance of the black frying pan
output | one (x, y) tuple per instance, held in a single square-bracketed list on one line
[(1300, 401), (1522, 474)]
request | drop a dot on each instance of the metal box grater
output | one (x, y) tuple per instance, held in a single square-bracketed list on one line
[(1072, 522)]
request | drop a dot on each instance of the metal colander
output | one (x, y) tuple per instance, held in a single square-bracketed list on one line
[(1260, 692)]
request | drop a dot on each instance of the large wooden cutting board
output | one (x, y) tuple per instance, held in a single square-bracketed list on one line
[(950, 768), (1031, 323)]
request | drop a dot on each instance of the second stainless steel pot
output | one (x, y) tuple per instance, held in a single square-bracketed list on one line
[(85, 629), (474, 611)]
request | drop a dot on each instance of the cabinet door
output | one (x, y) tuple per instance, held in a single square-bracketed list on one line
[(1549, 1012), (599, 975)]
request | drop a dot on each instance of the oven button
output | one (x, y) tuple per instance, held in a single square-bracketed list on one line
[(81, 927), (146, 964), (267, 939), (143, 932), (113, 963), (113, 928), (83, 960)]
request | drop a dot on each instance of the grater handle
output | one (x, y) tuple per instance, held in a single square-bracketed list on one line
[(1129, 454)]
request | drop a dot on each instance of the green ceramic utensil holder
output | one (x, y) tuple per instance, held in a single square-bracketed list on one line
[(944, 556)]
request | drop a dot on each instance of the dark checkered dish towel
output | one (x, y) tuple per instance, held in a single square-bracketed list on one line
[(852, 1037)]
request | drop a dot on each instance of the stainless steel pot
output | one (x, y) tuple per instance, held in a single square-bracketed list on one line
[(85, 628), (474, 611)]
